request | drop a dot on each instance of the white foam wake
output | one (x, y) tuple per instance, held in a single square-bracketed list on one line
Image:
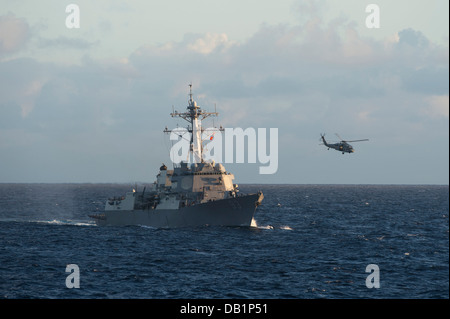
[(65, 222), (255, 224)]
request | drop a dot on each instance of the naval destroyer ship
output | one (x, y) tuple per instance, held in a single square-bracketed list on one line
[(190, 194)]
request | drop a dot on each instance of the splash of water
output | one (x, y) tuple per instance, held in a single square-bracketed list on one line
[(255, 224)]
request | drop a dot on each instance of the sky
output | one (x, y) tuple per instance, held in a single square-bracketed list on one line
[(90, 104)]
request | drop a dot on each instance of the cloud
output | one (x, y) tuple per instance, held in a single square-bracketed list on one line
[(21, 81), (412, 38), (209, 43), (66, 43), (437, 106), (304, 79), (14, 33)]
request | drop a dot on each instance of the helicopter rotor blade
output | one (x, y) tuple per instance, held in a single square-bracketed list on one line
[(340, 137), (366, 139)]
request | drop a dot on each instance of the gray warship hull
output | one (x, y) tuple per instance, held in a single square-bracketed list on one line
[(235, 211)]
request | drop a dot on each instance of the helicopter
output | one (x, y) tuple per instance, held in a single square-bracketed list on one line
[(342, 146)]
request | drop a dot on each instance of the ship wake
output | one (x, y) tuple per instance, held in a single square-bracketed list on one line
[(64, 222)]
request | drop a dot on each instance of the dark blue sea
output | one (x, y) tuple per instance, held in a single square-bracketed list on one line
[(309, 242)]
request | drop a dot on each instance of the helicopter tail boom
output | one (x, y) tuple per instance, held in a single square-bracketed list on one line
[(323, 139)]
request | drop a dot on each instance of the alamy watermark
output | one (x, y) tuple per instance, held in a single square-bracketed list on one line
[(373, 279), (373, 19), (230, 147), (73, 280), (73, 19)]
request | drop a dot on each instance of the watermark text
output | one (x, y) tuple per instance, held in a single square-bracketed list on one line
[(232, 146)]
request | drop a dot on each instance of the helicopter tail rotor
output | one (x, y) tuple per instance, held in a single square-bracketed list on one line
[(322, 139)]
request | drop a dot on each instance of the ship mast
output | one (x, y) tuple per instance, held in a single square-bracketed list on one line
[(194, 115)]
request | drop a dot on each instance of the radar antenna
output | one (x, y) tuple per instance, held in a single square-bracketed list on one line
[(194, 115)]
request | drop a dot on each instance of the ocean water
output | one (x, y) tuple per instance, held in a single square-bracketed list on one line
[(307, 242)]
